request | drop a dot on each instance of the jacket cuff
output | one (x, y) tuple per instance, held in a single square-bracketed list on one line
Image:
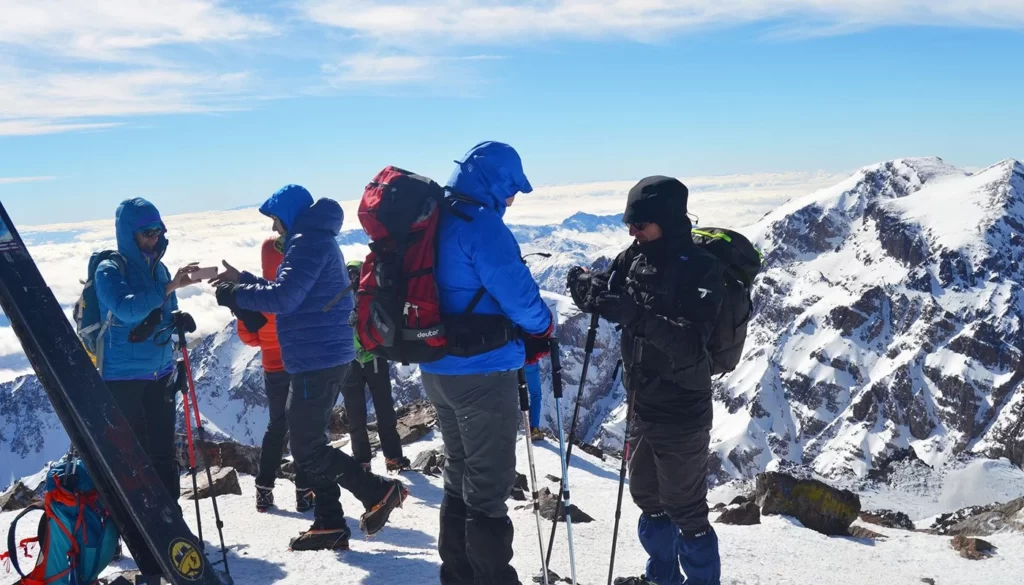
[(247, 277)]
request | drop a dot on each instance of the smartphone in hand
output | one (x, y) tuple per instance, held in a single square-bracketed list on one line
[(204, 273)]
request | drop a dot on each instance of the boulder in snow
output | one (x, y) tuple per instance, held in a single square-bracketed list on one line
[(415, 421), (16, 497), (430, 462), (974, 549), (1008, 517), (815, 504), (242, 458), (861, 532), (225, 481), (745, 514), (549, 505), (888, 518)]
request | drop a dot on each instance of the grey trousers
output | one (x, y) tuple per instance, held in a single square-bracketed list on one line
[(668, 472), (479, 417)]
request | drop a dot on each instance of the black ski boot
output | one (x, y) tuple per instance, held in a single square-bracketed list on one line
[(397, 464), (323, 536), (375, 518), (304, 499), (264, 498)]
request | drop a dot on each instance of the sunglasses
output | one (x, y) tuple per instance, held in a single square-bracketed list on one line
[(152, 232)]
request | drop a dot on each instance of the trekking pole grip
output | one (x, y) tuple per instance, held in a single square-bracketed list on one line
[(524, 396), (556, 369)]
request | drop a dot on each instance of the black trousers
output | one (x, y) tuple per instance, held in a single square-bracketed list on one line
[(310, 402), (278, 387), (149, 406), (668, 472), (375, 375)]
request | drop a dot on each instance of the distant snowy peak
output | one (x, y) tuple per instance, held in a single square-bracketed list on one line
[(889, 315)]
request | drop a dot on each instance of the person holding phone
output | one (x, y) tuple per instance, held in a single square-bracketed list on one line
[(138, 358), (262, 333)]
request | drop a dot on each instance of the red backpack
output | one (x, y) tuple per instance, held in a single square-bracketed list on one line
[(398, 313)]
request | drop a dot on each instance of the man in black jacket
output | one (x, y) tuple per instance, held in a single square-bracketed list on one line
[(665, 294)]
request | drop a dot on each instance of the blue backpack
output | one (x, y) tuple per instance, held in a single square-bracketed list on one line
[(77, 537), (89, 324)]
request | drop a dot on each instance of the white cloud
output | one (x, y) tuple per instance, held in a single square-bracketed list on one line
[(469, 22), (74, 66), (112, 29), (9, 180), (382, 69), (61, 102)]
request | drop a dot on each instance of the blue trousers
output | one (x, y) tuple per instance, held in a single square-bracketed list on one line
[(536, 397)]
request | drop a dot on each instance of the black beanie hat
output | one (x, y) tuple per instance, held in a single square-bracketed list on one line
[(660, 200)]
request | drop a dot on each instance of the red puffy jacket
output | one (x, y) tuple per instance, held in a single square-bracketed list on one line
[(266, 337)]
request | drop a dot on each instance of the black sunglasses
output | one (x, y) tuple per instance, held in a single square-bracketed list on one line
[(152, 232)]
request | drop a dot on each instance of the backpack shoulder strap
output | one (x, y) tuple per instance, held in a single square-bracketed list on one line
[(12, 550), (337, 298), (480, 292)]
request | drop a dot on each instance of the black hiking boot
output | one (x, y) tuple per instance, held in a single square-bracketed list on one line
[(641, 580), (304, 499), (323, 536), (375, 518), (397, 464), (264, 498)]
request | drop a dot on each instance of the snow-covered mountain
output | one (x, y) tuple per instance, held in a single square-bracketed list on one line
[(888, 315)]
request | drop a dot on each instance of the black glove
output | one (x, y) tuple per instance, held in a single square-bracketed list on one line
[(583, 285), (184, 321), (226, 293), (617, 308), (253, 320)]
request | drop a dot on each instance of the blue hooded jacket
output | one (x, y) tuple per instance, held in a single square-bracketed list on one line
[(131, 296), (483, 252), (311, 274)]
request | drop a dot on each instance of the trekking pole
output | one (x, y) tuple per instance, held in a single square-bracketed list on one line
[(182, 323), (564, 499), (192, 460), (524, 405), (556, 383), (622, 478)]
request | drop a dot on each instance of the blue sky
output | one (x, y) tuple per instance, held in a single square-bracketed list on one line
[(200, 105)]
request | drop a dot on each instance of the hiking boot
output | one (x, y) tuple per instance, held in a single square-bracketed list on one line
[(375, 518), (397, 464), (264, 498), (323, 536), (304, 499), (641, 580), (537, 435)]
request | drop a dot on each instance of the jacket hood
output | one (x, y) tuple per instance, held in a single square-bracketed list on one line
[(287, 204), (132, 216), (271, 258), (661, 200), (490, 173), (324, 215)]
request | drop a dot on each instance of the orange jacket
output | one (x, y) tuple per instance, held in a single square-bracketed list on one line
[(266, 337)]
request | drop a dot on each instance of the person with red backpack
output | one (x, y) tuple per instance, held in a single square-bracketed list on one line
[(495, 320), (316, 346), (276, 381)]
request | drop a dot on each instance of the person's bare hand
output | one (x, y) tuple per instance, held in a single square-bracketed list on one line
[(182, 278), (230, 274)]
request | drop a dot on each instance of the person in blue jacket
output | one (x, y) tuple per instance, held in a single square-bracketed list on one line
[(495, 320), (533, 384), (317, 348), (137, 357)]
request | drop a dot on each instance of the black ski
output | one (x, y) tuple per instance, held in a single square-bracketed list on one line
[(97, 428)]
